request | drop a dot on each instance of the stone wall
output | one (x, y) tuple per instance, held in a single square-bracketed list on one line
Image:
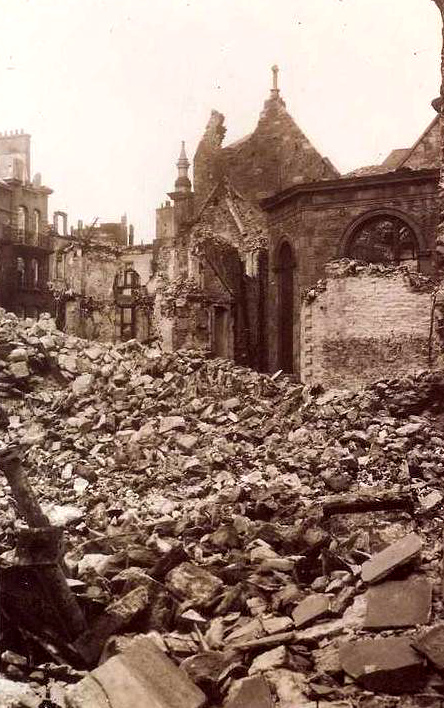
[(426, 151), (366, 322), (318, 220)]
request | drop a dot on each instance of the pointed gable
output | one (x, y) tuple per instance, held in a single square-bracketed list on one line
[(276, 155), (425, 153)]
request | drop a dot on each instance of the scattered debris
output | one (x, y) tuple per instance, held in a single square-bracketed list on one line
[(188, 506)]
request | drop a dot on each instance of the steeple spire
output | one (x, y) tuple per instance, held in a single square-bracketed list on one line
[(275, 90), (182, 183)]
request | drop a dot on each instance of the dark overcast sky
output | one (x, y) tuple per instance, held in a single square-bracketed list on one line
[(109, 88)]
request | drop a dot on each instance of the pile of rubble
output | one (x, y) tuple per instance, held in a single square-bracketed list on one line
[(230, 539)]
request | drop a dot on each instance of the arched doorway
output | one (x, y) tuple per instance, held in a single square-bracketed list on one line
[(285, 268)]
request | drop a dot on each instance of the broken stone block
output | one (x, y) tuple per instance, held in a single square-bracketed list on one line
[(253, 693), (269, 660), (59, 515), (431, 644), (186, 442), (14, 694), (93, 353), (387, 665), (312, 608), (117, 615), (82, 384), (225, 537), (289, 686), (173, 422), (192, 583), (19, 369), (391, 558), (337, 481), (409, 429), (18, 354), (139, 677), (275, 625), (68, 362), (431, 500), (209, 669), (399, 603)]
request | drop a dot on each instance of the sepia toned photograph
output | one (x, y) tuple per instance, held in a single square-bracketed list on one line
[(221, 354)]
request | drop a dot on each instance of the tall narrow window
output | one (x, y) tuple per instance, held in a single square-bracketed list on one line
[(20, 273), (58, 266), (34, 273), (127, 323), (36, 222), (21, 222)]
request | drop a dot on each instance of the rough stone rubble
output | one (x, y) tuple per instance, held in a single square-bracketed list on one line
[(281, 545)]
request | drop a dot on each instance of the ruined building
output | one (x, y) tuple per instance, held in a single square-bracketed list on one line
[(25, 243), (238, 253)]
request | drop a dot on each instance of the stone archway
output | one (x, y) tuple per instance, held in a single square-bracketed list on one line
[(286, 307)]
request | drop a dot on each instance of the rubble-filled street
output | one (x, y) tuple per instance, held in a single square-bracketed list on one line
[(228, 538)]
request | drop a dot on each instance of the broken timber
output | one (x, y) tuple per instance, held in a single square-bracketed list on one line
[(36, 579), (356, 503)]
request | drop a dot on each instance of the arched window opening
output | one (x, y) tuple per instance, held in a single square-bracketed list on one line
[(21, 222), (285, 269), (58, 266), (21, 272), (384, 239), (34, 273)]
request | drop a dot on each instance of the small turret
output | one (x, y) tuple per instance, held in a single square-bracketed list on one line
[(183, 183)]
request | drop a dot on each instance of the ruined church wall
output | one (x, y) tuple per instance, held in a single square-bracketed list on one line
[(358, 328), (315, 224)]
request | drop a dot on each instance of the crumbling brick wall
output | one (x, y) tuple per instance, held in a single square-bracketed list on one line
[(366, 322)]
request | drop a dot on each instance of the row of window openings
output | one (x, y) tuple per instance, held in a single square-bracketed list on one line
[(28, 279), (22, 221)]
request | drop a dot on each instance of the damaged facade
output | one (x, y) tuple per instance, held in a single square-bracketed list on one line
[(288, 212), (25, 242), (233, 257)]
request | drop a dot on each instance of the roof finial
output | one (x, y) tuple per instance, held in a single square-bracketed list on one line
[(275, 70), (183, 160)]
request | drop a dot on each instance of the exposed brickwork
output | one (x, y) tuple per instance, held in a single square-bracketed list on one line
[(364, 326)]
